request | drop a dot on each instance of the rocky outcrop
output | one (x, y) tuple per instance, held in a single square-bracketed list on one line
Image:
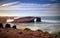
[(4, 19), (27, 20)]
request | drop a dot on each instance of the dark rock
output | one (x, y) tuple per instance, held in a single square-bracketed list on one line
[(1, 25), (7, 26), (14, 27), (27, 29)]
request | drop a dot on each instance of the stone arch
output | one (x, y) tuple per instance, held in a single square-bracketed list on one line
[(37, 19)]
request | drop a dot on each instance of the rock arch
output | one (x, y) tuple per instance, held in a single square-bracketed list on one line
[(37, 19)]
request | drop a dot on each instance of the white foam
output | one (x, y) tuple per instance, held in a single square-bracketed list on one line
[(10, 20)]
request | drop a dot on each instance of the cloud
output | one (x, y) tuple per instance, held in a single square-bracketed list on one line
[(32, 1), (29, 6), (8, 4), (28, 13)]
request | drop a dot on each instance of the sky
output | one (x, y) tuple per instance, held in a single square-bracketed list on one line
[(29, 7)]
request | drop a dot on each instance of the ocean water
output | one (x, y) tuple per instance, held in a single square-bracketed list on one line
[(51, 28), (50, 24), (50, 20), (50, 17)]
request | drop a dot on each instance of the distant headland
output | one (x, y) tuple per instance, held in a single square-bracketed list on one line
[(28, 19)]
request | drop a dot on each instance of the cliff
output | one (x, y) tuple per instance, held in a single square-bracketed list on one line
[(3, 19), (27, 20)]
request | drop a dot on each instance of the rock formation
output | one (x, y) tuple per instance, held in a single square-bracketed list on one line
[(3, 19), (27, 20)]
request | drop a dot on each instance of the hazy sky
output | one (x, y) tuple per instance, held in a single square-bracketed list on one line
[(29, 7)]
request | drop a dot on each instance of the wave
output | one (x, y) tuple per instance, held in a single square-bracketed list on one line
[(50, 21)]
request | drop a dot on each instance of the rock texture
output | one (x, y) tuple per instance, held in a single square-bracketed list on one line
[(4, 19), (27, 20)]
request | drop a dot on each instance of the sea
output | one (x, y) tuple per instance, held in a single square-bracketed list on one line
[(50, 24)]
